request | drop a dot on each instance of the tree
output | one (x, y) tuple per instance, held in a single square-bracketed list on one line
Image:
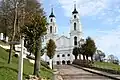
[(29, 45), (90, 48), (75, 52), (25, 18), (82, 50), (34, 29), (113, 59), (11, 12), (6, 8), (51, 46), (43, 51), (99, 56)]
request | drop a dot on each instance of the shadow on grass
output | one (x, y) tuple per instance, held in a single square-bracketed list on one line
[(4, 67)]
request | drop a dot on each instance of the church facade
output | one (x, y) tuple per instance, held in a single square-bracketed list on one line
[(64, 44)]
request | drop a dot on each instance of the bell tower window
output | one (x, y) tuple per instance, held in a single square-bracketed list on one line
[(51, 20), (75, 40), (74, 16), (50, 29), (74, 26)]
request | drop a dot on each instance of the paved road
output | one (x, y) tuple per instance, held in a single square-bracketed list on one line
[(72, 73)]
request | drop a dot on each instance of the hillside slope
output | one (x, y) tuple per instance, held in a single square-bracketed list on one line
[(9, 71)]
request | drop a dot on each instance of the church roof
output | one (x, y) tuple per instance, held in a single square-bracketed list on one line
[(63, 36), (52, 15), (75, 10)]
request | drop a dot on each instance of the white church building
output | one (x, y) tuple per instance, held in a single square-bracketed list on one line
[(65, 44)]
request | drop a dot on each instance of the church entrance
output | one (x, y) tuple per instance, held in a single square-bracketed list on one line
[(58, 63), (68, 62), (63, 62)]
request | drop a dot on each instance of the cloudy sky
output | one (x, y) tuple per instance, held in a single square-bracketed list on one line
[(100, 20)]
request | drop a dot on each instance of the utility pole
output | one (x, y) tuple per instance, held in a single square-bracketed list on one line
[(20, 70), (20, 73)]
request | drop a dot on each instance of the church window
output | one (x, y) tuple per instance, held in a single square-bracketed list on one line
[(68, 54), (74, 16), (51, 20), (58, 62), (75, 40), (58, 55), (50, 29), (63, 55), (74, 26)]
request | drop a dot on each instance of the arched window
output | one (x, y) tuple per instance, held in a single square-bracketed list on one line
[(63, 62), (58, 55), (50, 29), (51, 20), (68, 62), (58, 62), (74, 26), (75, 40), (74, 16), (68, 54), (63, 55)]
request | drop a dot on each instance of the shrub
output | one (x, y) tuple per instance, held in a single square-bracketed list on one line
[(83, 63)]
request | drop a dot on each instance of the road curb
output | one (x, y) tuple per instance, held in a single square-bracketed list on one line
[(102, 74)]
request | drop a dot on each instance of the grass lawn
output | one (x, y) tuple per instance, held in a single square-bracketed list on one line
[(9, 71), (106, 65), (4, 43)]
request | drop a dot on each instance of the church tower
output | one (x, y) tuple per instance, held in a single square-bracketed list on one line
[(52, 27), (76, 28)]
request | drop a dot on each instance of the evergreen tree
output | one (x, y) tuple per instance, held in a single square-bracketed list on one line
[(75, 52), (51, 48), (90, 48)]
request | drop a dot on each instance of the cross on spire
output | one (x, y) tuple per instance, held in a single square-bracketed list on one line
[(74, 4), (75, 11), (52, 15)]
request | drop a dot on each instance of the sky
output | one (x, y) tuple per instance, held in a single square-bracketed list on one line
[(100, 20)]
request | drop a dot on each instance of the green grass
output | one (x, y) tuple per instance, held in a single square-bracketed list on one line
[(106, 65), (9, 71), (4, 43)]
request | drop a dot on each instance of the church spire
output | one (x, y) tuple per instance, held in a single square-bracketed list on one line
[(75, 11), (52, 15)]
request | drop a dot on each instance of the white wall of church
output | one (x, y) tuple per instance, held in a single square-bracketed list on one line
[(62, 55), (62, 42)]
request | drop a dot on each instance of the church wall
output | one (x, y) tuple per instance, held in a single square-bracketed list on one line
[(67, 56), (62, 42)]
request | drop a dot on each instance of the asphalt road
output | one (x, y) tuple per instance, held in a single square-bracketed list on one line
[(72, 73)]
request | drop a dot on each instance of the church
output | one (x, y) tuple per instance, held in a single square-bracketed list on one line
[(64, 44)]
